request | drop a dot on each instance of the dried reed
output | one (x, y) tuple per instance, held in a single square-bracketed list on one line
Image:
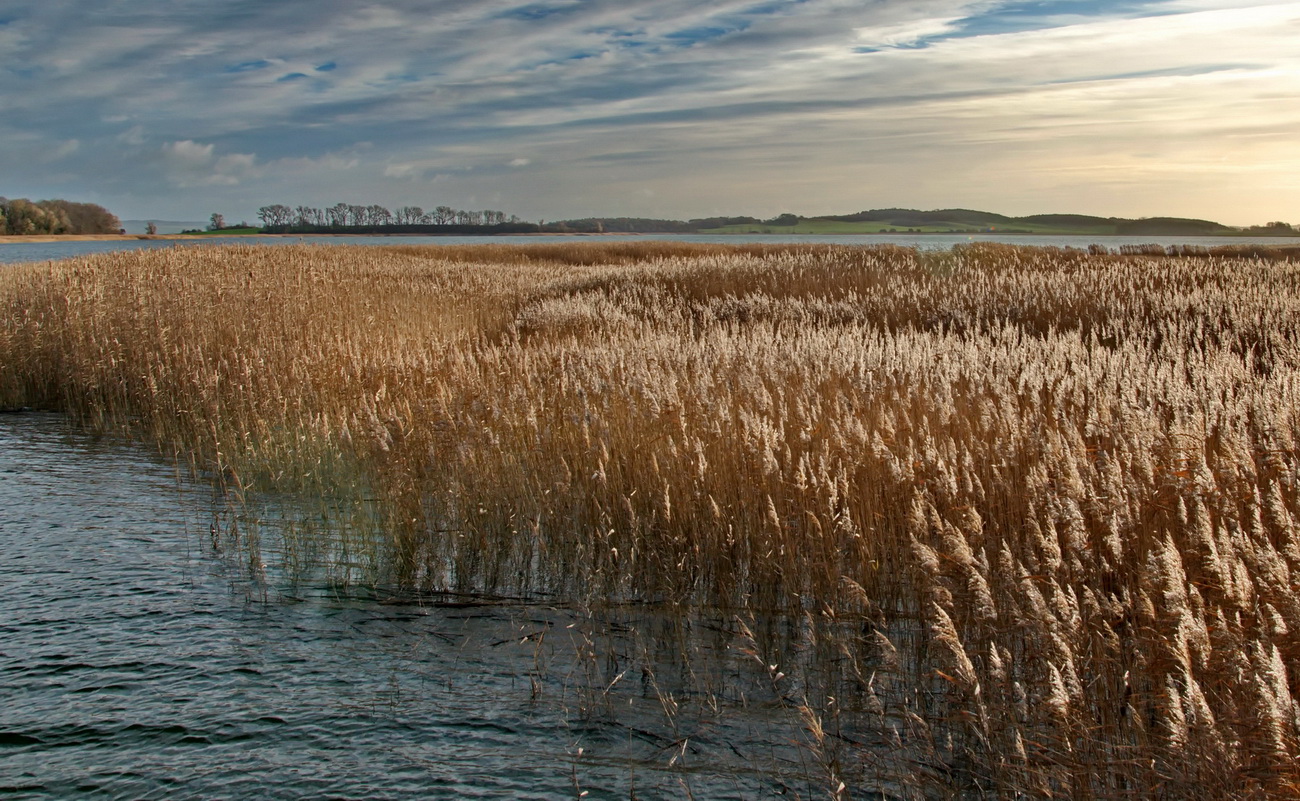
[(1038, 504)]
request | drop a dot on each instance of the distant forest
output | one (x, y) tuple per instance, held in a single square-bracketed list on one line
[(965, 221), (21, 217), (26, 217), (375, 219)]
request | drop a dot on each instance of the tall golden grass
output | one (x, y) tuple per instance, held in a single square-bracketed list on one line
[(1039, 503)]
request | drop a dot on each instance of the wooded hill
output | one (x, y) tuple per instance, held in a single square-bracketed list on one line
[(20, 217), (936, 221)]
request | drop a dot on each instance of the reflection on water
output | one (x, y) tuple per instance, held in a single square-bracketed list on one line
[(138, 664), (12, 252)]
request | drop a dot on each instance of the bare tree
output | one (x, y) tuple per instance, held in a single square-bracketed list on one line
[(409, 215), (275, 215), (345, 214), (151, 228), (216, 222)]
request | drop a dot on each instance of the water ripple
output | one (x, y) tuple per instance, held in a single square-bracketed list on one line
[(134, 667)]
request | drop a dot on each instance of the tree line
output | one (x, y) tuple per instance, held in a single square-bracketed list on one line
[(348, 215), (352, 218), (22, 217)]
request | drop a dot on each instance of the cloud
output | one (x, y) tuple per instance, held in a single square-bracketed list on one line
[(664, 106), (326, 163), (132, 136), (188, 153), (406, 171), (62, 150), (905, 33), (189, 163)]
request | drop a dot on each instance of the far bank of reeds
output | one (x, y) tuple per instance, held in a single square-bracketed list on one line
[(1077, 474)]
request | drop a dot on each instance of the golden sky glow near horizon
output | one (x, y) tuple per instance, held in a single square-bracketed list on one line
[(571, 108)]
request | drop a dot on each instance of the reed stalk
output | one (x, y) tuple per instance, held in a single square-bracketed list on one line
[(1038, 506)]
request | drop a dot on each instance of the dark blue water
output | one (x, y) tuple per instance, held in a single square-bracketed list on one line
[(42, 251), (137, 662)]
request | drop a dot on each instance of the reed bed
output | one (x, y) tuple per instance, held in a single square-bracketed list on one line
[(1037, 507)]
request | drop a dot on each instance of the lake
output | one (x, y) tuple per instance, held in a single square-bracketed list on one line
[(41, 251), (144, 657)]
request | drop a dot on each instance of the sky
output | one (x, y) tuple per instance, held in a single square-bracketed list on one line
[(560, 109)]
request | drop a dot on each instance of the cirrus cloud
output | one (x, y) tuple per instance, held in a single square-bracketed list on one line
[(668, 108)]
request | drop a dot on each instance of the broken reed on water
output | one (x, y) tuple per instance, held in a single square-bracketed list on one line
[(1077, 471)]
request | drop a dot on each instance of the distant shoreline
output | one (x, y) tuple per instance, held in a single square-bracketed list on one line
[(15, 239), (48, 238)]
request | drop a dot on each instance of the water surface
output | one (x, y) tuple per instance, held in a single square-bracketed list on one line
[(137, 662), (42, 251)]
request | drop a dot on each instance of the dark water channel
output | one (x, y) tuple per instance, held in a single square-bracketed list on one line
[(135, 663)]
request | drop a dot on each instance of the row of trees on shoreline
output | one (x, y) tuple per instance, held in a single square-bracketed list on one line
[(345, 218), (374, 218), (23, 217), (345, 215)]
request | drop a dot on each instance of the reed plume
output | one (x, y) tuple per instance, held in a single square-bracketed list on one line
[(1041, 502)]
